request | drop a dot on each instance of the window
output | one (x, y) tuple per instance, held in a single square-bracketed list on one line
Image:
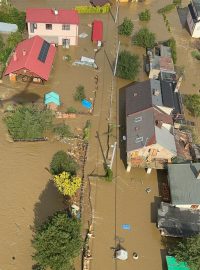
[(66, 27), (33, 26), (139, 139), (48, 26), (138, 119)]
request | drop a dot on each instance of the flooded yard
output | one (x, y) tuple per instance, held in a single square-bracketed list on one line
[(27, 196)]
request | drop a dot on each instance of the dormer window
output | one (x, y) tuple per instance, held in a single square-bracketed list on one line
[(139, 139), (138, 119)]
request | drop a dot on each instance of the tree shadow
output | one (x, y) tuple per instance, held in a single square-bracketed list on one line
[(50, 202), (154, 209), (161, 178)]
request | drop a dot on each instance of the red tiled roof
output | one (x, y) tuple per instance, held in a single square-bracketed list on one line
[(97, 30), (30, 61), (46, 15)]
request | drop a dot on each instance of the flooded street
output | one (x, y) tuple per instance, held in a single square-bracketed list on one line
[(27, 196)]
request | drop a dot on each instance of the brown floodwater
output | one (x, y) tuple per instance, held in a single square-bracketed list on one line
[(27, 196)]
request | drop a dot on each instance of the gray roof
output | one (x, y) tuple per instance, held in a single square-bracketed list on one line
[(143, 95), (196, 4), (184, 185), (165, 51), (141, 130), (135, 129), (177, 222), (166, 139)]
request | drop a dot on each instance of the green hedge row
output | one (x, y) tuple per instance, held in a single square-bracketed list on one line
[(91, 9)]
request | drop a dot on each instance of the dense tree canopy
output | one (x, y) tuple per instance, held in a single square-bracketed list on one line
[(144, 38), (128, 65), (67, 184), (28, 122), (57, 242), (188, 250), (62, 162), (126, 27)]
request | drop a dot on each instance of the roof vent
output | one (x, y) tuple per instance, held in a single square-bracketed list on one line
[(156, 92), (24, 52), (135, 94), (55, 11)]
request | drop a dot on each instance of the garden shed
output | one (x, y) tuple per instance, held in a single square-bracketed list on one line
[(97, 31), (52, 100)]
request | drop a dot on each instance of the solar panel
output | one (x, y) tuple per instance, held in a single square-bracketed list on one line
[(44, 51)]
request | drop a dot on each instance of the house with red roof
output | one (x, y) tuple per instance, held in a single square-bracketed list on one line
[(31, 60), (57, 26)]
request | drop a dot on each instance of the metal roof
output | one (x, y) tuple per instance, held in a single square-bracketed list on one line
[(52, 97), (177, 222), (172, 264), (166, 139), (143, 95), (196, 4), (8, 27), (184, 185)]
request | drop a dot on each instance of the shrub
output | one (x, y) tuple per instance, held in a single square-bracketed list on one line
[(172, 44), (63, 131), (86, 130), (57, 242), (71, 110), (109, 174), (167, 8), (2, 44), (192, 103), (144, 38), (128, 65), (67, 184), (80, 93), (4, 54), (62, 162), (10, 14), (91, 9), (28, 122), (196, 54), (145, 15), (126, 27), (14, 39)]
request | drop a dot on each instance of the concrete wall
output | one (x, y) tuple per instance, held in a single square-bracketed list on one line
[(56, 35)]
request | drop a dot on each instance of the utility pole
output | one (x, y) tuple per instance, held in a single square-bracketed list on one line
[(117, 11), (104, 158), (116, 60)]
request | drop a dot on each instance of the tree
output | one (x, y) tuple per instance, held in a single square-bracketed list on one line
[(144, 38), (126, 27), (145, 15), (128, 65), (63, 131), (67, 184), (14, 39), (192, 103), (188, 250), (80, 93), (1, 43), (172, 44), (28, 122), (57, 242), (62, 162)]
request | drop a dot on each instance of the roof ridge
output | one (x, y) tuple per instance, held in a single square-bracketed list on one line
[(28, 56)]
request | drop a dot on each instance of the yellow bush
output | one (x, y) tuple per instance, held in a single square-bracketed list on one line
[(67, 184)]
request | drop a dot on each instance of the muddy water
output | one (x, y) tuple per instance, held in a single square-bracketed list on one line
[(26, 197)]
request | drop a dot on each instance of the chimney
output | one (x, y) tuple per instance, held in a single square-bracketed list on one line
[(15, 56), (156, 92), (55, 11), (198, 175), (24, 52)]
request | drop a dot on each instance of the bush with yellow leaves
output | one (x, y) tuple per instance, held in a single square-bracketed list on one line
[(67, 184)]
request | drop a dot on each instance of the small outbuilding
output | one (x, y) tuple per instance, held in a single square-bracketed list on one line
[(8, 28), (173, 264), (97, 31), (31, 60), (52, 100)]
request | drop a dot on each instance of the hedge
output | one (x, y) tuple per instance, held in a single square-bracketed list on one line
[(91, 9)]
